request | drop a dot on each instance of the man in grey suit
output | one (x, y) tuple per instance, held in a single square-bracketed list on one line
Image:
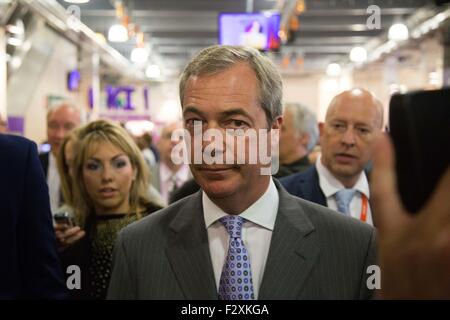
[(242, 236)]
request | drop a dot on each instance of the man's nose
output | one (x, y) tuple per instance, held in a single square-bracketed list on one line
[(60, 133), (349, 137)]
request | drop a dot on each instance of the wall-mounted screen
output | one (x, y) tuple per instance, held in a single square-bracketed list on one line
[(257, 30)]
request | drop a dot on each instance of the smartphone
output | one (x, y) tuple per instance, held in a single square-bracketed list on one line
[(64, 218), (419, 124)]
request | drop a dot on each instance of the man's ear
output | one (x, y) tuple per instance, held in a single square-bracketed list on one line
[(321, 128), (304, 139), (276, 124)]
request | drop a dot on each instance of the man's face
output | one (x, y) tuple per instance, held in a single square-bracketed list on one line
[(290, 139), (59, 123), (226, 100), (165, 144), (347, 135)]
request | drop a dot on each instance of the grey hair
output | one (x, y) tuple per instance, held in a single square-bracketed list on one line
[(217, 58), (61, 104), (305, 121)]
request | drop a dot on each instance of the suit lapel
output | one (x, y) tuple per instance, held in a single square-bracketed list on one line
[(293, 251), (188, 252), (311, 188)]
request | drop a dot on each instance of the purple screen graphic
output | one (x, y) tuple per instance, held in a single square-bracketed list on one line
[(73, 80), (256, 30)]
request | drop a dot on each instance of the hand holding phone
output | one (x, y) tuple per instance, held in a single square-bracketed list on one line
[(66, 231), (64, 218), (420, 131)]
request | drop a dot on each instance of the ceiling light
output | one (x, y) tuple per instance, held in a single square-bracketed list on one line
[(358, 54), (398, 32), (15, 29), (117, 33), (139, 55), (76, 1), (14, 41), (153, 71), (334, 70)]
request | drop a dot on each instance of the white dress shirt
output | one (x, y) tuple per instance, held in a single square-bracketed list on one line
[(256, 233), (54, 183), (166, 182), (330, 185)]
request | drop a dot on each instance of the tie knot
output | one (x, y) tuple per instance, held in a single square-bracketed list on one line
[(343, 199), (233, 224)]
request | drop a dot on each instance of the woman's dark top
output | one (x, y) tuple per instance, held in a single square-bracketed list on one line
[(93, 253)]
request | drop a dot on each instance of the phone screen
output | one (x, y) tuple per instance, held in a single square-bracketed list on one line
[(64, 218), (419, 124)]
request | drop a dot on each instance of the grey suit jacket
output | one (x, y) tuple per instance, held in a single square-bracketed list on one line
[(315, 253)]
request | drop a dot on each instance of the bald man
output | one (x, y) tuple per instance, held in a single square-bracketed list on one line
[(338, 180), (61, 119), (166, 176)]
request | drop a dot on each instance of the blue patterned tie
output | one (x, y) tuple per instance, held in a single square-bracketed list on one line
[(236, 279), (343, 198)]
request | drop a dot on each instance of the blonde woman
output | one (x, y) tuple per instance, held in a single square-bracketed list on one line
[(109, 191)]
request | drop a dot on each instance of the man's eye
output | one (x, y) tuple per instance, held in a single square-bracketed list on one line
[(53, 126), (69, 126), (193, 121), (338, 126), (363, 130), (236, 124)]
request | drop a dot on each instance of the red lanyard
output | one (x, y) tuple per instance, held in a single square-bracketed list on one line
[(364, 206)]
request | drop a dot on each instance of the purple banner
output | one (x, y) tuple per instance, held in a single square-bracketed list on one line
[(16, 125)]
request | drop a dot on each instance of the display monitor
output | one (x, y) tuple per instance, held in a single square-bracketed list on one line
[(257, 30), (73, 80)]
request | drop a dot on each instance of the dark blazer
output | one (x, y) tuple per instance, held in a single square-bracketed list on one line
[(43, 157), (305, 185), (315, 253), (29, 266)]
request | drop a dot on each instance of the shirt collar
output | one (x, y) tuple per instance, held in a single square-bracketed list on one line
[(263, 212), (330, 185), (166, 173), (52, 161)]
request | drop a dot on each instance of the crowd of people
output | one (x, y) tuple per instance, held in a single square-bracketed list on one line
[(139, 225)]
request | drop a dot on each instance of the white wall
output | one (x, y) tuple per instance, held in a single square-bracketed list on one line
[(302, 89), (53, 82)]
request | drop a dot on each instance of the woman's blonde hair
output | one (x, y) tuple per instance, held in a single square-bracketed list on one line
[(63, 167), (104, 131)]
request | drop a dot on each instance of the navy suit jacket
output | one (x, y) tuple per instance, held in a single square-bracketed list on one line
[(29, 264), (305, 185), (43, 157)]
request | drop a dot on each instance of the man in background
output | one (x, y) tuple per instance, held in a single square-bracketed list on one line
[(61, 119), (29, 268), (299, 135), (338, 180), (167, 176)]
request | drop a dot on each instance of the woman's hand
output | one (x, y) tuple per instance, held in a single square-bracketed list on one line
[(67, 236)]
